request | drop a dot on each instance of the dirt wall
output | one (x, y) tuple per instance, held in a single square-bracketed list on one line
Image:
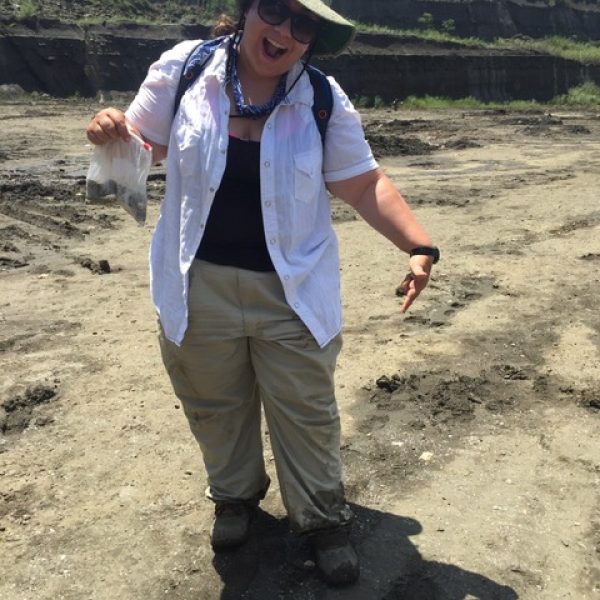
[(66, 59), (481, 18)]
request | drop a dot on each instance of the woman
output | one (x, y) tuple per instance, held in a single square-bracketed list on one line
[(244, 261)]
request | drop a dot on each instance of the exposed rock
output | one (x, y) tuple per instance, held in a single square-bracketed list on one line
[(483, 19), (62, 60)]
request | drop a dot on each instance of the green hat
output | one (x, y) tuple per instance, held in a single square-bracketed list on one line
[(335, 32)]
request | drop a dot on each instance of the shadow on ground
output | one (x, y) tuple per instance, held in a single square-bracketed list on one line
[(276, 564)]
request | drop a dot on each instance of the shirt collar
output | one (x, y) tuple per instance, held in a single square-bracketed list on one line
[(216, 69)]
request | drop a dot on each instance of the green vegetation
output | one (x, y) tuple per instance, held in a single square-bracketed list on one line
[(378, 102), (583, 96), (587, 94), (584, 52), (190, 11), (426, 21), (100, 20), (114, 11), (364, 102), (27, 8), (441, 103), (215, 7), (369, 102), (430, 35), (448, 26)]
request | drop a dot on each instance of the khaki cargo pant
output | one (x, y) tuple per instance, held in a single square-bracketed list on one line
[(244, 346)]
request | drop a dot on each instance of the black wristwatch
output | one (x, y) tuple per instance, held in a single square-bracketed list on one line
[(432, 251)]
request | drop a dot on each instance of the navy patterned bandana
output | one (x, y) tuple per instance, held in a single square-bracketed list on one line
[(250, 110)]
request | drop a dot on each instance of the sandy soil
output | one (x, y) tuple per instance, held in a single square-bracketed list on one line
[(470, 425)]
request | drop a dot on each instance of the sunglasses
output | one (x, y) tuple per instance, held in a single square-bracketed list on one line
[(302, 27)]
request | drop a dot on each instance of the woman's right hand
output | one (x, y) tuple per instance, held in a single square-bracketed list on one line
[(107, 125)]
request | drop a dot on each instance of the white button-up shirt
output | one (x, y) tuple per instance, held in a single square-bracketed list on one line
[(294, 167)]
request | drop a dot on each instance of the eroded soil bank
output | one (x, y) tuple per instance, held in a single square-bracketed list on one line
[(470, 424)]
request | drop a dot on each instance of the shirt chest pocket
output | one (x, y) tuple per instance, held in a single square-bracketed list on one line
[(307, 176), (189, 159), (193, 161)]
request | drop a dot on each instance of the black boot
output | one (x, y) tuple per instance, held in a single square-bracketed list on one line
[(231, 525), (335, 557)]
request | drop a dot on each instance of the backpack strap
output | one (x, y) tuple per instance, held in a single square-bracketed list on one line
[(192, 67), (202, 53), (323, 99)]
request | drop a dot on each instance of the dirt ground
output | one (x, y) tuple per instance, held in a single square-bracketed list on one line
[(470, 425)]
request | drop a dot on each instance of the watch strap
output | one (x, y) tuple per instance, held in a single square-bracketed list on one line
[(432, 251)]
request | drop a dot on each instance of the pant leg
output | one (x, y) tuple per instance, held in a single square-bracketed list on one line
[(296, 382), (212, 376)]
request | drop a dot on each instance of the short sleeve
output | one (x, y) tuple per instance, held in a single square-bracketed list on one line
[(347, 153), (152, 109)]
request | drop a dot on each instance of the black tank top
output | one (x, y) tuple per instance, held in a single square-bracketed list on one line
[(235, 233)]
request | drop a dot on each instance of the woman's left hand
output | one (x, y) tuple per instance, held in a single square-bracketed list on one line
[(416, 280)]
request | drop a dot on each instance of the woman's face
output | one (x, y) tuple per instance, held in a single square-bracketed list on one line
[(269, 51)]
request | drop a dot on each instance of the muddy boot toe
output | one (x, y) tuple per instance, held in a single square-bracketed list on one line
[(231, 525), (335, 557)]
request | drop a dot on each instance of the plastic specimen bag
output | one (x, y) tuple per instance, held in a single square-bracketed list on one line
[(120, 169)]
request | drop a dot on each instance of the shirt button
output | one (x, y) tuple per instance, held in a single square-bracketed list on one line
[(272, 241), (211, 190), (201, 225), (268, 203), (223, 150), (286, 277), (296, 305), (267, 164), (269, 125)]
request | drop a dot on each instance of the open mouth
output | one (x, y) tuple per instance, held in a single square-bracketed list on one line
[(273, 49)]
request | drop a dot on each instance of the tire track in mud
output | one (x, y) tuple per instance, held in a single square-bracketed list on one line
[(389, 138), (516, 244), (41, 221), (480, 188), (56, 208), (42, 218)]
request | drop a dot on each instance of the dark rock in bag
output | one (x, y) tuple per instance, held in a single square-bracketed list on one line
[(99, 191), (133, 202)]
